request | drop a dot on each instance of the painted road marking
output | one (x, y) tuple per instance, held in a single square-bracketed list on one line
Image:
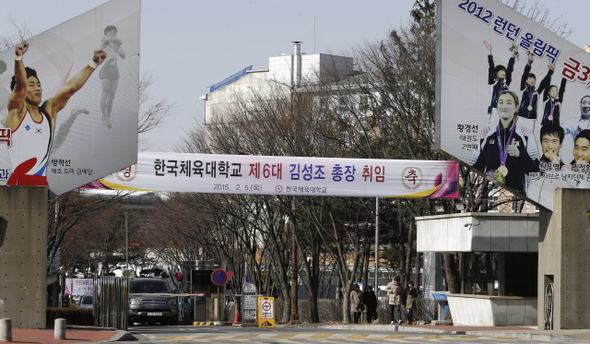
[(320, 336)]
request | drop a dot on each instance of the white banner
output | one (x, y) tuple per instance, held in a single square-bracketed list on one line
[(280, 175), (79, 286), (527, 142)]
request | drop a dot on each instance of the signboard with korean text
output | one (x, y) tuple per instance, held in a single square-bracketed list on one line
[(513, 99), (249, 288), (266, 312), (280, 175), (249, 307), (78, 286), (81, 122)]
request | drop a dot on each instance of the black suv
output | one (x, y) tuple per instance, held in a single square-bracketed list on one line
[(150, 300)]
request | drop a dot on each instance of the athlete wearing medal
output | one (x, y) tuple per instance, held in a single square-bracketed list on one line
[(499, 76), (507, 150), (530, 94), (553, 98)]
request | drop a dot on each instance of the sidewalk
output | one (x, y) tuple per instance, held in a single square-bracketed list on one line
[(510, 332), (81, 334), (74, 334)]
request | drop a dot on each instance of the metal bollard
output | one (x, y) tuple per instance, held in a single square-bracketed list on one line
[(59, 328), (5, 330)]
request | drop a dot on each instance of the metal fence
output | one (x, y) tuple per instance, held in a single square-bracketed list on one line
[(111, 301)]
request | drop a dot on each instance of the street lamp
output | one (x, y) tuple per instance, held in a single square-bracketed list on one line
[(126, 240), (295, 82), (377, 244)]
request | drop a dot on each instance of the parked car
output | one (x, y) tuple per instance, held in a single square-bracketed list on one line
[(150, 301), (85, 302)]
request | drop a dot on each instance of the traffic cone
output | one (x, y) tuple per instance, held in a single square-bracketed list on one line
[(237, 318)]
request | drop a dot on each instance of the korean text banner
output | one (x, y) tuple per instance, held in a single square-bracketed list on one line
[(513, 99), (80, 121), (274, 175), (79, 286)]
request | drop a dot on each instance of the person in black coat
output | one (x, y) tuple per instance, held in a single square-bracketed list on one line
[(409, 297), (370, 302)]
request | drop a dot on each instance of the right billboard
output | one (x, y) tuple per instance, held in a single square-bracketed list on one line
[(513, 99)]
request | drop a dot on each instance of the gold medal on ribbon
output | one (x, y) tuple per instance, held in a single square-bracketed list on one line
[(503, 170), (530, 108), (550, 117)]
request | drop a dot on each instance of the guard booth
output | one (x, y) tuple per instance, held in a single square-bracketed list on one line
[(205, 306)]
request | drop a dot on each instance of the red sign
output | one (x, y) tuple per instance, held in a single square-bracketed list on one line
[(219, 277)]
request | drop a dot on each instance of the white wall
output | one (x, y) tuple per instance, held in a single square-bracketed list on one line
[(478, 232)]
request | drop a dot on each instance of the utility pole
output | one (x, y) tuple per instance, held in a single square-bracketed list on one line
[(126, 240), (295, 81), (376, 288), (294, 273)]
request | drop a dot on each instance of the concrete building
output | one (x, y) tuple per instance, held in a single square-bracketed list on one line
[(548, 250), (494, 290), (285, 75)]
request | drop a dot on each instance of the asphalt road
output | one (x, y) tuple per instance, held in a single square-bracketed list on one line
[(236, 335)]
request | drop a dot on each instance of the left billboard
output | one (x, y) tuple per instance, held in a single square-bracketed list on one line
[(69, 100)]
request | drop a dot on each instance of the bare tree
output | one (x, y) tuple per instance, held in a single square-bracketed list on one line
[(151, 111), (66, 212), (541, 15), (20, 33)]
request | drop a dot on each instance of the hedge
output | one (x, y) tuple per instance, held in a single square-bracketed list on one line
[(73, 316)]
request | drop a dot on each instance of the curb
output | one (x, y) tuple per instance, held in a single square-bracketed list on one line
[(550, 337), (366, 327), (121, 336), (519, 335)]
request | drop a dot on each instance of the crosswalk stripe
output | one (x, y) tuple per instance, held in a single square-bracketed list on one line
[(284, 336), (177, 339), (310, 337), (357, 336), (395, 336), (433, 336)]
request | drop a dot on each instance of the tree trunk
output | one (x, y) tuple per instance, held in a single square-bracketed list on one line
[(366, 261), (417, 264), (286, 296), (346, 305), (452, 273), (313, 304)]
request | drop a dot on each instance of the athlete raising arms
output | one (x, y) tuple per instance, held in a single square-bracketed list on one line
[(32, 123)]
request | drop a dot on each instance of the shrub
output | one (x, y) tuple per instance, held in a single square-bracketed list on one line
[(329, 310), (73, 316)]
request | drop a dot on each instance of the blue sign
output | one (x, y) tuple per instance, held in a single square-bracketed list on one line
[(219, 277), (439, 296)]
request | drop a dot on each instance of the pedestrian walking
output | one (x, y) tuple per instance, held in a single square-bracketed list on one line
[(409, 297), (355, 303), (370, 304), (394, 291)]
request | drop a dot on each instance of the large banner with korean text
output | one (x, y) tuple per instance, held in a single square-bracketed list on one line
[(513, 99), (69, 100), (274, 175)]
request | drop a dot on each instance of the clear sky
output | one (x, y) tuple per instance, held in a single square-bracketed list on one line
[(189, 45)]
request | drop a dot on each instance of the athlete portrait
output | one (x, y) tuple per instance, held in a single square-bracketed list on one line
[(32, 122)]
